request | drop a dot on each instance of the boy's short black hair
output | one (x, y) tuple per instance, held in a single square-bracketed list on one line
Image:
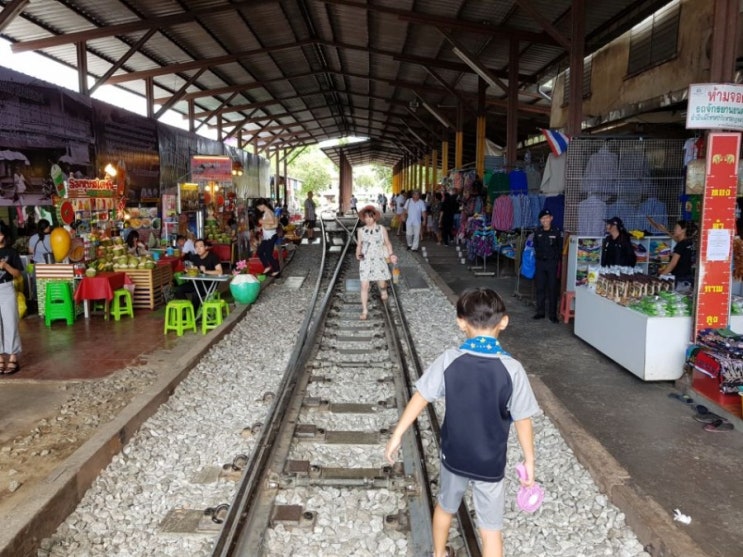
[(482, 308)]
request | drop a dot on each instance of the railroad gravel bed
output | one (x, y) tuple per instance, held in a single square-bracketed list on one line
[(200, 427)]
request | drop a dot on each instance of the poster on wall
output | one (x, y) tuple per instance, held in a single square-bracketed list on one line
[(210, 168), (129, 143)]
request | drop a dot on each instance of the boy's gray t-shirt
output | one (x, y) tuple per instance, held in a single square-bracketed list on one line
[(488, 391)]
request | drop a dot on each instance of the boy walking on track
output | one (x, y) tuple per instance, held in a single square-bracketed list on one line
[(486, 390)]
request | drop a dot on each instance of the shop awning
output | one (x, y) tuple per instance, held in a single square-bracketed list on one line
[(8, 155)]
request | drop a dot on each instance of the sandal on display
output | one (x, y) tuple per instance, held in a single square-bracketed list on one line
[(719, 425), (708, 418)]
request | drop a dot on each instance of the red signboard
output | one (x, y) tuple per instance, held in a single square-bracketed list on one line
[(717, 231)]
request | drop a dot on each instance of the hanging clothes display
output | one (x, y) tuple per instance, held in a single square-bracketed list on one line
[(499, 184), (553, 178), (591, 215), (482, 241), (517, 181), (600, 175), (502, 217)]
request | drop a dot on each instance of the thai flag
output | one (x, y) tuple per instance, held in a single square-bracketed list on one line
[(557, 141)]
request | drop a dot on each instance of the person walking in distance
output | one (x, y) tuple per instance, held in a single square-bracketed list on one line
[(400, 201), (310, 218), (485, 390), (548, 251), (414, 215), (353, 202)]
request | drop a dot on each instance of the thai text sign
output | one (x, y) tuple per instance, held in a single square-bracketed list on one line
[(715, 106), (90, 188), (717, 230)]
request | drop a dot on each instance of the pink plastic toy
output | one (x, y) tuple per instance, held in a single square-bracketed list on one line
[(529, 499)]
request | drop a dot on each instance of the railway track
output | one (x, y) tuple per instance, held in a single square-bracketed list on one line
[(347, 383)]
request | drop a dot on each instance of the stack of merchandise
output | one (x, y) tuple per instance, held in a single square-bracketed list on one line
[(717, 361), (663, 304), (627, 287), (736, 305)]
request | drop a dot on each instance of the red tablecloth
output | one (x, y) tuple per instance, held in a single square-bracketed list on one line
[(101, 286), (176, 263)]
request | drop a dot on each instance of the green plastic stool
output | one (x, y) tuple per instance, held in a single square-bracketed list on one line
[(118, 308), (179, 316), (58, 303), (224, 306), (211, 316)]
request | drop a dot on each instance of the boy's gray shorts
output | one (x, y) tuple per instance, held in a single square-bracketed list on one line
[(488, 496)]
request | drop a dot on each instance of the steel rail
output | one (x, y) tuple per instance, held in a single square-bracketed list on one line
[(420, 508), (466, 526), (248, 488)]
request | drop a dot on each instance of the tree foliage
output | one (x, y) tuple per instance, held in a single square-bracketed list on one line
[(316, 171)]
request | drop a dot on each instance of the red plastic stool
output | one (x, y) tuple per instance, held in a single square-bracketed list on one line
[(566, 306)]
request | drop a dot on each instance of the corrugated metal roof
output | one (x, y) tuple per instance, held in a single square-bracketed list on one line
[(330, 67)]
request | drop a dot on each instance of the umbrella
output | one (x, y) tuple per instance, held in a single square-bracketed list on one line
[(13, 156)]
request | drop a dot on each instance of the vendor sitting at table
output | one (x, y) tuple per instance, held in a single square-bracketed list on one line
[(184, 244), (133, 244), (207, 263)]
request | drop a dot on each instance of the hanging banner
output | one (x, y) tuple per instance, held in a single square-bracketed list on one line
[(716, 232)]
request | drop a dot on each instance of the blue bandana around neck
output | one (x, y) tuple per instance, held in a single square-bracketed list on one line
[(483, 345)]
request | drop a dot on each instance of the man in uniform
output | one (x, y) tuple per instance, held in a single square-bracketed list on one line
[(548, 251)]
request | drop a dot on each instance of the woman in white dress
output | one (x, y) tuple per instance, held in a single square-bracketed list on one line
[(373, 249)]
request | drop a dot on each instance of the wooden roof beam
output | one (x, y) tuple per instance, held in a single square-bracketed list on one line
[(126, 28), (501, 31), (204, 63), (11, 11), (546, 24), (237, 88)]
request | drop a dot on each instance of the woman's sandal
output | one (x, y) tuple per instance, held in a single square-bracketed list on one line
[(11, 368), (363, 316)]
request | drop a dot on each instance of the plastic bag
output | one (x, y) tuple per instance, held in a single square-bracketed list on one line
[(22, 306), (528, 260)]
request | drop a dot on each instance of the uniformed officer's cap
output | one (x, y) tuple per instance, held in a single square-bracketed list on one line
[(616, 221), (544, 213)]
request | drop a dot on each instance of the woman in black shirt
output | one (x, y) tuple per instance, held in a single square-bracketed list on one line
[(616, 248), (681, 265)]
